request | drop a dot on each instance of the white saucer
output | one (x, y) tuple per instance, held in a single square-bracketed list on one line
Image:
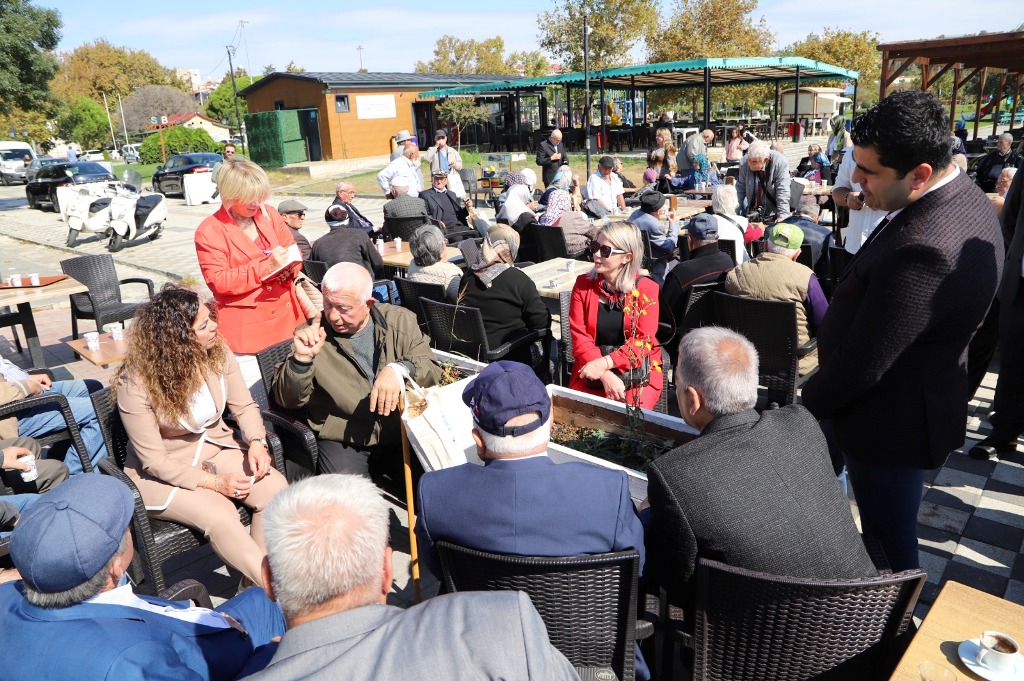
[(968, 653)]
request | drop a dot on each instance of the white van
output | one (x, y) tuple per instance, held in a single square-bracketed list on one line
[(12, 161), (130, 153)]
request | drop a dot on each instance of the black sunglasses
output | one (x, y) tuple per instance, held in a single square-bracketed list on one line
[(604, 251)]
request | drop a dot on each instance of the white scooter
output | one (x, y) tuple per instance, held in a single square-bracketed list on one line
[(133, 216), (88, 213)]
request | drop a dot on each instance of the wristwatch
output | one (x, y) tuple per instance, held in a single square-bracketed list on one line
[(261, 440)]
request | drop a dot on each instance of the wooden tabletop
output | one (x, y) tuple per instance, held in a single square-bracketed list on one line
[(394, 257), (111, 351), (958, 614), (818, 190), (22, 294), (554, 276), (699, 192), (692, 207)]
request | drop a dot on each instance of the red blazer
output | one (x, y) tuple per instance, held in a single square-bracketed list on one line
[(253, 315), (583, 325)]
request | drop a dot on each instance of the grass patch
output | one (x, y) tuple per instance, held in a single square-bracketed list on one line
[(144, 169)]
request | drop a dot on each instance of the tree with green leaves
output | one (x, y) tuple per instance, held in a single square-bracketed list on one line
[(460, 112), (454, 55), (529, 64), (98, 68), (177, 140), (155, 100), (221, 105), (34, 122), (850, 50), (292, 67), (616, 26), (84, 121), (27, 36)]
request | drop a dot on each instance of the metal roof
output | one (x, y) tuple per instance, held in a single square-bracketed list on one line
[(377, 80), (733, 71)]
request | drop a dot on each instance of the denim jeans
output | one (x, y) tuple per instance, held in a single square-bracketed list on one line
[(41, 420), (889, 500)]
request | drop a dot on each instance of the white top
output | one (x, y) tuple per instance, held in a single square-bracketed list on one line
[(729, 230), (863, 221), (401, 166), (605, 191), (124, 596)]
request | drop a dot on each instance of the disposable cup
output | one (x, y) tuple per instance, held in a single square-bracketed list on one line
[(15, 280), (398, 243), (92, 340), (117, 331), (33, 279), (31, 474)]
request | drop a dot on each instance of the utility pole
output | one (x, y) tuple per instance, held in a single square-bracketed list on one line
[(360, 51), (110, 122), (586, 87), (234, 89), (124, 125)]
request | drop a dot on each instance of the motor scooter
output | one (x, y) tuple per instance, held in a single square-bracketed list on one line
[(87, 213), (134, 216)]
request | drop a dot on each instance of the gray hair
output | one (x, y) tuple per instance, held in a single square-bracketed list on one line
[(90, 588), (773, 247), (516, 445), (411, 149), (809, 207), (344, 184), (722, 366), (1009, 172), (426, 244), (724, 200), (759, 150), (348, 277), (400, 185), (1007, 137), (326, 537)]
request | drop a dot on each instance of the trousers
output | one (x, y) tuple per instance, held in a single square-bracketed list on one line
[(39, 421), (889, 500)]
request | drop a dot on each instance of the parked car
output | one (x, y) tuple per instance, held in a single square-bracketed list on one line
[(170, 177), (38, 163), (43, 188), (12, 161), (92, 155), (130, 152)]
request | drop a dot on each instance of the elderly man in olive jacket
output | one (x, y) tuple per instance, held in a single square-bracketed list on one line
[(346, 373)]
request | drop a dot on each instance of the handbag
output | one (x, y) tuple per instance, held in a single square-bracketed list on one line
[(431, 434)]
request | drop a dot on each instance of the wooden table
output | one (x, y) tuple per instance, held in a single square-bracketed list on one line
[(817, 190), (553, 276), (111, 351), (958, 614), (23, 297), (400, 258), (699, 192), (692, 207)]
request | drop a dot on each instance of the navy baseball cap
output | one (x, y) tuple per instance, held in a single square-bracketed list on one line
[(703, 227), (503, 391)]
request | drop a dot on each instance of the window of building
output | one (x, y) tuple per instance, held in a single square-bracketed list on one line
[(341, 103)]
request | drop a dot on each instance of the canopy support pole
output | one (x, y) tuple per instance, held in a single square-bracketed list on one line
[(977, 107), (957, 72), (707, 97), (604, 130), (1015, 103), (796, 108)]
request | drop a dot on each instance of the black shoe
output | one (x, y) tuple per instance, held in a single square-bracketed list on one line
[(989, 448)]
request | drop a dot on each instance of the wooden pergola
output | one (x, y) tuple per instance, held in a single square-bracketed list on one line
[(982, 55)]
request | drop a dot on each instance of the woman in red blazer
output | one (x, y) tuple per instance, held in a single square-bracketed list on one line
[(614, 319), (239, 247)]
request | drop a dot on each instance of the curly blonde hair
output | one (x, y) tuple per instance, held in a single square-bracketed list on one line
[(164, 354)]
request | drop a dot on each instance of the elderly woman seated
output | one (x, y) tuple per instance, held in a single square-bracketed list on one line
[(519, 207), (507, 298), (564, 212), (724, 203), (428, 265)]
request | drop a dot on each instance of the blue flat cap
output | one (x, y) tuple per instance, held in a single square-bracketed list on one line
[(502, 391), (69, 533)]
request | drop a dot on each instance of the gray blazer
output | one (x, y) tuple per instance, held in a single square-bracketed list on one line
[(777, 181), (485, 635)]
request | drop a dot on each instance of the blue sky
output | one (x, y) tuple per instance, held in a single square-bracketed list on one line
[(323, 36)]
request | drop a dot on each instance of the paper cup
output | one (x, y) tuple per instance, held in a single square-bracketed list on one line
[(31, 474), (398, 244), (33, 279), (92, 340), (117, 331), (15, 280)]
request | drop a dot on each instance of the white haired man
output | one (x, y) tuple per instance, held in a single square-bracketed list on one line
[(763, 183), (344, 194), (329, 567), (1002, 185), (551, 156), (404, 204), (989, 167), (346, 373), (755, 491), (694, 144), (407, 166)]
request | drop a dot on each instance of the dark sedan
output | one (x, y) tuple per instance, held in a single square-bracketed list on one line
[(43, 188), (170, 177), (38, 163)]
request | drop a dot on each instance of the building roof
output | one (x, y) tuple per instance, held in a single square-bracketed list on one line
[(377, 80), (183, 118)]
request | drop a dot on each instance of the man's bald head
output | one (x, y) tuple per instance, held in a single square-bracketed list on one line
[(348, 277), (721, 365)]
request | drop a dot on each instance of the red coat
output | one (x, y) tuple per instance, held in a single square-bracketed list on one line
[(253, 315), (583, 324)]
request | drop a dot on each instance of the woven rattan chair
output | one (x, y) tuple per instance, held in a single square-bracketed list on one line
[(156, 541), (11, 317), (751, 625), (727, 246), (771, 325), (301, 455), (103, 300), (404, 228), (588, 603), (188, 590), (314, 269), (549, 242), (410, 292), (62, 438), (806, 257), (460, 329)]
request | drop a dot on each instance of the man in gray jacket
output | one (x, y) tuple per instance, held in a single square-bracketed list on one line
[(763, 183), (329, 567)]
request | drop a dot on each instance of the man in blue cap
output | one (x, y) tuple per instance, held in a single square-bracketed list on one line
[(520, 502), (74, 615), (707, 264)]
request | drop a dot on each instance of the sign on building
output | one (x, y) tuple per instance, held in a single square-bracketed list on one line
[(375, 106)]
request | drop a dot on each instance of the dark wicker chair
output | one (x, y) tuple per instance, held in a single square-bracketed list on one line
[(460, 329), (188, 590), (103, 301), (392, 295), (298, 441), (796, 191), (588, 603), (727, 246), (404, 228), (156, 541), (549, 242), (11, 317), (314, 269), (771, 325), (61, 439), (410, 292), (470, 250), (806, 257), (751, 625)]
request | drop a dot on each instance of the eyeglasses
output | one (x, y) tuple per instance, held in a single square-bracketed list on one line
[(604, 251), (229, 153)]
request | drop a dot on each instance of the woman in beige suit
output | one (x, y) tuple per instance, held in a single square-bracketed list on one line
[(176, 379)]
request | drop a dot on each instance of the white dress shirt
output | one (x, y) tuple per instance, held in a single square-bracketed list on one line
[(863, 221), (401, 167), (605, 191)]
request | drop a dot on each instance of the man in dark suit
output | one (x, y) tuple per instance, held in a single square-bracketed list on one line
[(1007, 418), (74, 615), (329, 566), (551, 156), (892, 349), (443, 205), (403, 205), (343, 195), (753, 491)]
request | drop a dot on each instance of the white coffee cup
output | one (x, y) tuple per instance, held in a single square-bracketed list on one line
[(117, 331), (398, 244), (380, 245), (15, 280), (31, 474), (997, 651), (92, 340), (570, 266), (33, 279)]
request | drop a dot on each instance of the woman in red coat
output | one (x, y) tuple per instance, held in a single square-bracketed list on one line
[(614, 318), (239, 248)]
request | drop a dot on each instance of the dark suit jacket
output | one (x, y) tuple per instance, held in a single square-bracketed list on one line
[(356, 218), (529, 507), (707, 264), (446, 207), (1013, 234), (348, 244), (892, 349), (544, 151), (752, 492), (405, 206)]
